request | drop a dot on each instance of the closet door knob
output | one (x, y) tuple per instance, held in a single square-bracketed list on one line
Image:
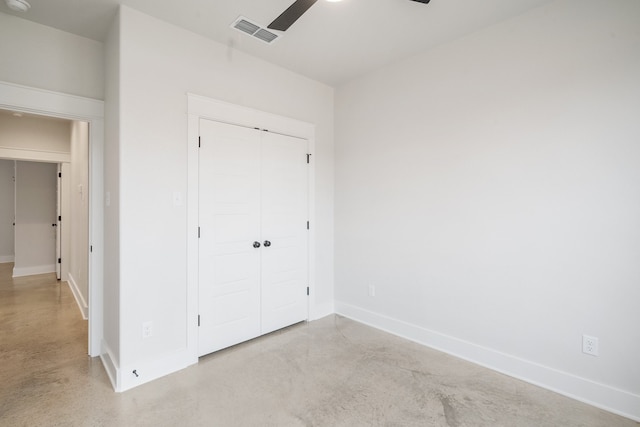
[(267, 243), (256, 245)]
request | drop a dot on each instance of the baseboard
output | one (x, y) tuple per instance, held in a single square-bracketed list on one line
[(82, 304), (6, 258), (596, 394), (109, 363), (151, 370), (30, 271)]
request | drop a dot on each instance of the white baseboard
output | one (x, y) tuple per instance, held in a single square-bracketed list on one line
[(6, 258), (152, 370), (30, 271), (123, 378), (82, 304), (596, 394), (109, 363)]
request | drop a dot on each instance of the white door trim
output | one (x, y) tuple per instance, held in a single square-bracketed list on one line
[(39, 101), (212, 109)]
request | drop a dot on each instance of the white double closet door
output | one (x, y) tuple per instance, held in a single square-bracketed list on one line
[(253, 255)]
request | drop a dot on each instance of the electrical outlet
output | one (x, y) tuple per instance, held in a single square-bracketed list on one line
[(147, 330), (590, 345), (372, 290)]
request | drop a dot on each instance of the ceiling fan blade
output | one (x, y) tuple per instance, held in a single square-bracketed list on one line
[(291, 15)]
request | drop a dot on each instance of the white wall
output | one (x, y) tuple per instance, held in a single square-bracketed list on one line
[(79, 212), (111, 345), (34, 133), (7, 210), (39, 56), (488, 189), (35, 237), (111, 293), (159, 64)]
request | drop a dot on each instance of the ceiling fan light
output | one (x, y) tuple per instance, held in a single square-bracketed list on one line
[(18, 5)]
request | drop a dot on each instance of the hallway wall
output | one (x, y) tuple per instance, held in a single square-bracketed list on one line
[(34, 133), (79, 213), (7, 210)]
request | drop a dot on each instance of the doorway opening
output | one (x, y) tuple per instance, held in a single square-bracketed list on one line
[(25, 100), (45, 217)]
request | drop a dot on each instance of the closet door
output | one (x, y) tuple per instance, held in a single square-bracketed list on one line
[(284, 215), (229, 220), (253, 233)]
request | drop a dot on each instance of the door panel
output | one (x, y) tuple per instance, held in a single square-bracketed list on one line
[(58, 223), (229, 265), (284, 218)]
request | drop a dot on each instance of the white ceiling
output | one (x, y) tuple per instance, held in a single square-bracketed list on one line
[(331, 43)]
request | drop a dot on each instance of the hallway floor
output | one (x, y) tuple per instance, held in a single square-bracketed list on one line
[(332, 372)]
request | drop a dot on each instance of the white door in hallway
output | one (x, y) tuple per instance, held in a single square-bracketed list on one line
[(58, 225), (253, 235)]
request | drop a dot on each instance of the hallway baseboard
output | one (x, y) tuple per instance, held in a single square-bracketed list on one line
[(82, 304), (30, 271), (6, 258)]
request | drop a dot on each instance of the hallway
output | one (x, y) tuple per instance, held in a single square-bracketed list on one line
[(44, 364), (332, 372)]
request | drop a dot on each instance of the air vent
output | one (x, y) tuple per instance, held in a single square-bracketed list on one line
[(246, 26), (255, 30)]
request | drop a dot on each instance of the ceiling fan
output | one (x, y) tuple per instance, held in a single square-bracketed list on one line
[(296, 10)]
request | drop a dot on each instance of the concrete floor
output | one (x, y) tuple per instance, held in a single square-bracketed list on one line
[(332, 372)]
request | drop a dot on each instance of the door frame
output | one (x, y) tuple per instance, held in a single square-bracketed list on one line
[(200, 107), (55, 104)]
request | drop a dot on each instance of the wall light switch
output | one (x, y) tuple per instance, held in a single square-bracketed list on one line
[(177, 198), (372, 290)]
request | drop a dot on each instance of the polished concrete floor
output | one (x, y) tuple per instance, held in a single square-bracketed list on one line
[(333, 372)]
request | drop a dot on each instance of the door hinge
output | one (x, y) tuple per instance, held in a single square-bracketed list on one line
[(59, 260), (59, 174), (198, 232), (91, 248), (59, 218), (307, 291), (308, 158), (199, 141), (308, 225), (198, 320)]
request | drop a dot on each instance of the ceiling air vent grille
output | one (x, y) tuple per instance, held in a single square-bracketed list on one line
[(246, 26), (249, 27)]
